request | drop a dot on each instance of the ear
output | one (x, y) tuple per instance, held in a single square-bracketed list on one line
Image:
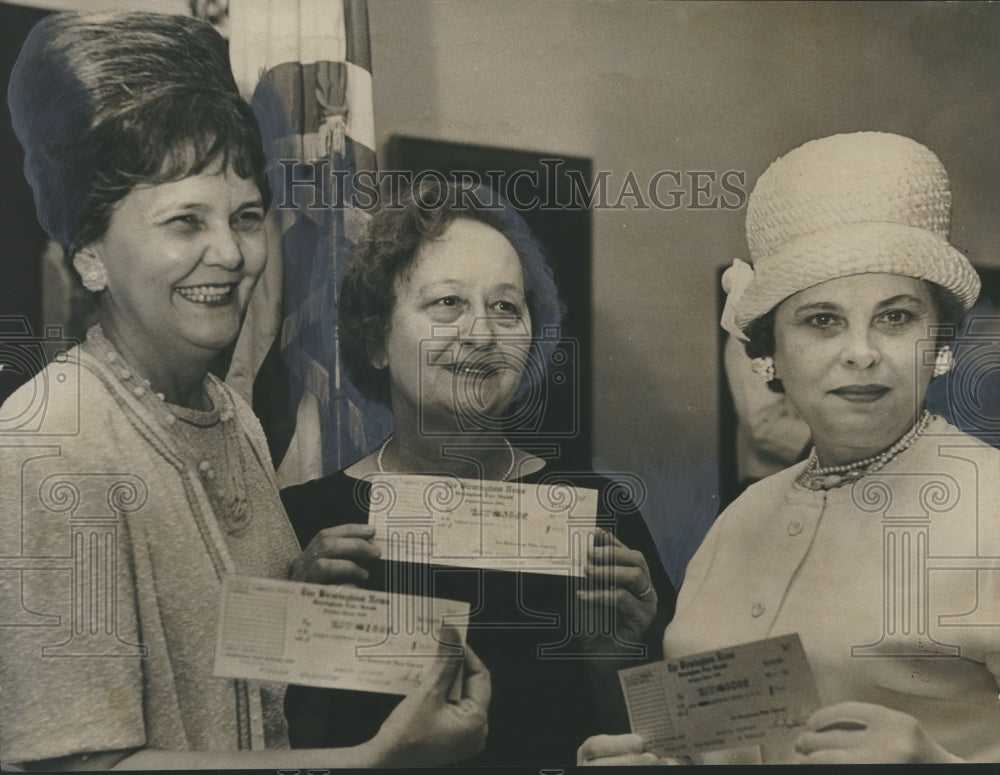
[(89, 266)]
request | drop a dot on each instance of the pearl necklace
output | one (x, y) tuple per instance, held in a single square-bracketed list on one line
[(236, 511), (507, 473), (824, 478)]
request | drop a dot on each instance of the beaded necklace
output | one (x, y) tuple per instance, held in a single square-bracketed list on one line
[(815, 477), (192, 431)]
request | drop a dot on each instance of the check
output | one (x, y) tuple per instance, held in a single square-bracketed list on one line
[(727, 698), (336, 637), (483, 524)]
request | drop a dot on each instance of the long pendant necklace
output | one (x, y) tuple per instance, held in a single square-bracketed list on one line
[(189, 428)]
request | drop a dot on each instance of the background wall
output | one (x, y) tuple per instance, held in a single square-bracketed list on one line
[(650, 86)]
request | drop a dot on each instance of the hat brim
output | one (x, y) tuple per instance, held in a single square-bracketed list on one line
[(852, 249)]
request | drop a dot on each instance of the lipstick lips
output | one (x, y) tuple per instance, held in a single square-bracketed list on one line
[(861, 394)]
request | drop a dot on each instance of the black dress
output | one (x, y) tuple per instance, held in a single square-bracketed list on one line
[(543, 705)]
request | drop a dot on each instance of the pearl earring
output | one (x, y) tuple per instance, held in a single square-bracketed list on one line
[(92, 273), (943, 362), (763, 367)]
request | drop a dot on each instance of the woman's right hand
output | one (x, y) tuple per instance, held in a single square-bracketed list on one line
[(426, 728), (337, 555), (615, 750)]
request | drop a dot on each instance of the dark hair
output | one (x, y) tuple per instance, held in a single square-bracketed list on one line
[(104, 102), (396, 233), (950, 312)]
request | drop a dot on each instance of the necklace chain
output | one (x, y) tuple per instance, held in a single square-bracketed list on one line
[(822, 478), (506, 475)]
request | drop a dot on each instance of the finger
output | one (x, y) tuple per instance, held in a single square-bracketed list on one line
[(324, 571), (849, 725), (620, 600), (610, 572), (450, 643), (810, 742), (831, 756), (430, 695), (477, 686), (610, 745), (349, 530), (635, 580), (614, 573), (349, 548), (447, 682), (331, 536), (449, 640), (614, 566), (627, 760), (440, 677), (616, 555), (841, 714), (606, 538)]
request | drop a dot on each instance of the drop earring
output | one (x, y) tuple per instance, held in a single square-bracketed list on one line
[(943, 362)]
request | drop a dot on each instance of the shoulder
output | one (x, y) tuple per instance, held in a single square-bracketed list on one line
[(948, 451), (941, 433), (617, 501), (739, 525), (616, 493), (551, 472), (763, 498), (774, 486), (971, 463), (60, 401)]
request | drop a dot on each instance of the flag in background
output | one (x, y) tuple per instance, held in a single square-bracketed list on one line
[(305, 65)]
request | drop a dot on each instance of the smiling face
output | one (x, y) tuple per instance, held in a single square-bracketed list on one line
[(460, 331), (850, 353), (181, 258)]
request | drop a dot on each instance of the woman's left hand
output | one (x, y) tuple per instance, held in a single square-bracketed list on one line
[(618, 580), (864, 733), (337, 555)]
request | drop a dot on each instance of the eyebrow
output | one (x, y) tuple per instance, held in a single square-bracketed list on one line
[(435, 284), (509, 287), (458, 283), (819, 306), (829, 306), (903, 297), (202, 206)]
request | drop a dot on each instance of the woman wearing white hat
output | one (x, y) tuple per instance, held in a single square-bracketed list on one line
[(882, 550)]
